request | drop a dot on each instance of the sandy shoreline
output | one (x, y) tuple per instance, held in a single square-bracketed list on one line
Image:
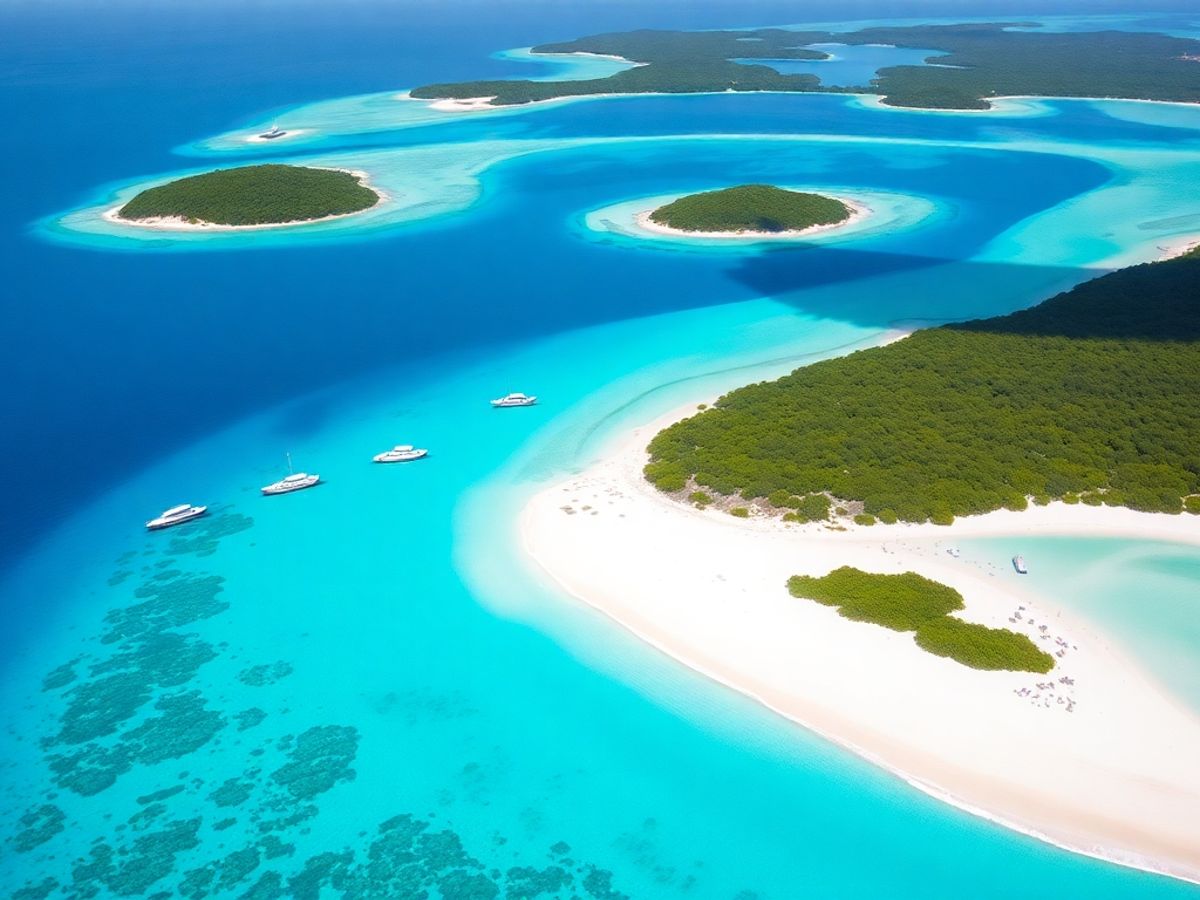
[(176, 223), (869, 101), (1100, 764), (858, 212), (1178, 247)]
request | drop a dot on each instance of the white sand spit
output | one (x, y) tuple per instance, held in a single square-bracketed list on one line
[(1103, 763)]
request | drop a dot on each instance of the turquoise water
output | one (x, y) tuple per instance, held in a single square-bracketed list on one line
[(1141, 593), (848, 65), (377, 647)]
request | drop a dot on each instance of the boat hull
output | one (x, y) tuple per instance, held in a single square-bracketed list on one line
[(160, 524), (384, 458), (272, 489)]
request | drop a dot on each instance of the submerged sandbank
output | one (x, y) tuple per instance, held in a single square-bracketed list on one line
[(288, 135), (1101, 763)]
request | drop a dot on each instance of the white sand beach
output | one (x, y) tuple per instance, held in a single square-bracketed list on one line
[(466, 104), (1178, 247), (177, 223), (1096, 756), (858, 212)]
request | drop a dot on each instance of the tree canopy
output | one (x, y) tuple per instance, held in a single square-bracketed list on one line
[(751, 207), (254, 195), (1092, 395), (977, 61)]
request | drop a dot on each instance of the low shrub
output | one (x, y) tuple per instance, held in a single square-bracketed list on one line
[(981, 647)]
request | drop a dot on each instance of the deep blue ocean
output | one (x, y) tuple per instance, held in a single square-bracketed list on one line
[(360, 690)]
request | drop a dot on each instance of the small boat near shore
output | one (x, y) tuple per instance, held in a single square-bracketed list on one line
[(400, 453), (1019, 564), (514, 400), (176, 515), (294, 481), (275, 132)]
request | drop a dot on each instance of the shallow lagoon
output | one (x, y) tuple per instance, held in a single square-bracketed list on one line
[(482, 704)]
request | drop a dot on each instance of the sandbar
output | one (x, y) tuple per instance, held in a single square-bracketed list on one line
[(1097, 757)]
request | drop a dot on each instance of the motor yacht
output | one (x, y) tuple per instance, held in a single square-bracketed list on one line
[(400, 453), (514, 400), (275, 132), (176, 515), (1019, 565)]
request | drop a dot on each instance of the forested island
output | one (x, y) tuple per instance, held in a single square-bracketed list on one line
[(910, 602), (979, 61), (1091, 397), (253, 195), (753, 208)]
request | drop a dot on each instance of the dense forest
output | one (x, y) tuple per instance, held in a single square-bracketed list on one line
[(909, 602), (1093, 397), (254, 195), (981, 61), (750, 207), (988, 61)]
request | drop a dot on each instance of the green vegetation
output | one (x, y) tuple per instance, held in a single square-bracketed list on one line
[(899, 602), (992, 62), (978, 61), (254, 195), (909, 602), (981, 647), (674, 62), (1093, 394), (700, 498), (751, 207), (740, 512)]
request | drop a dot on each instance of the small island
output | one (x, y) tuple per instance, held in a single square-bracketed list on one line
[(250, 197), (750, 210)]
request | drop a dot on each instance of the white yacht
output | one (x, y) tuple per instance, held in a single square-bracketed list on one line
[(275, 132), (295, 481), (514, 400), (400, 453), (1019, 565), (176, 515)]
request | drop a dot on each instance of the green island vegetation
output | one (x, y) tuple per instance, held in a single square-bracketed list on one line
[(254, 195), (1093, 396), (751, 207), (909, 602), (974, 62)]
